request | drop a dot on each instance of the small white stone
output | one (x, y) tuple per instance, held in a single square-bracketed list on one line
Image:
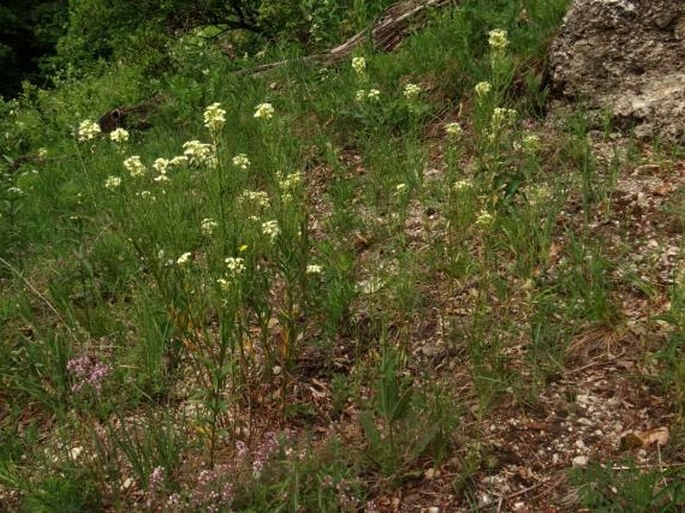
[(580, 461), (75, 452), (431, 474), (127, 484), (582, 399)]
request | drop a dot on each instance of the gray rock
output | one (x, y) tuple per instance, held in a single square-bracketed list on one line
[(627, 58), (580, 461)]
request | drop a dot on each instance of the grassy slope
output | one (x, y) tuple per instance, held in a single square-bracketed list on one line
[(487, 307)]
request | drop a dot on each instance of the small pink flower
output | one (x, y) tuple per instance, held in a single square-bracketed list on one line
[(87, 373)]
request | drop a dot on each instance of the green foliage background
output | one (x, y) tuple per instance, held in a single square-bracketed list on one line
[(29, 30), (125, 274), (41, 40)]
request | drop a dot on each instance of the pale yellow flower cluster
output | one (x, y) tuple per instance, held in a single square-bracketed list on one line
[(208, 225), (288, 184), (271, 229), (462, 185), (538, 194), (502, 118), (260, 199), (135, 166), (235, 265), (453, 129), (180, 160), (372, 95), (199, 153), (359, 65), (119, 136), (214, 117), (241, 161), (531, 143), (482, 88), (264, 111), (185, 258), (411, 91), (112, 182), (484, 218), (161, 165), (497, 39), (88, 130)]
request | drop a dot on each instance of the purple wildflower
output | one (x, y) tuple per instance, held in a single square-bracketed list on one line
[(154, 483), (79, 366), (173, 502), (100, 372), (241, 448), (212, 493), (371, 507), (86, 372), (264, 451)]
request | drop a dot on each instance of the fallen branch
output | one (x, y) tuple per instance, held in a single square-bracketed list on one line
[(386, 34)]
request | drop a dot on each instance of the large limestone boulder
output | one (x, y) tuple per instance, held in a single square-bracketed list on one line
[(627, 57)]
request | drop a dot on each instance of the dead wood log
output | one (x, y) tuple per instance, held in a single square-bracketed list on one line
[(387, 33), (130, 117)]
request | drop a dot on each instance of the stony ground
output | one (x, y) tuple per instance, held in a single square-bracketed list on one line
[(600, 407)]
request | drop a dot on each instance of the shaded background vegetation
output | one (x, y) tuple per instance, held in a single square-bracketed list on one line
[(40, 39), (29, 30)]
